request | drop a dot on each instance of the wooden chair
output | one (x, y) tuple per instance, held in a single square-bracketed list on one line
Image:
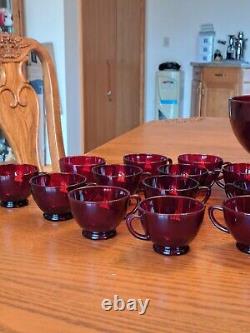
[(19, 106)]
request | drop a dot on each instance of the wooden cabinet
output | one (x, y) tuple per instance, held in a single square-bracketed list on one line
[(196, 92), (213, 86)]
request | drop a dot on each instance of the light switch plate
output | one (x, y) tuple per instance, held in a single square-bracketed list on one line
[(166, 41)]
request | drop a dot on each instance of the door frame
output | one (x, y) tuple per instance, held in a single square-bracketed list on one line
[(81, 70)]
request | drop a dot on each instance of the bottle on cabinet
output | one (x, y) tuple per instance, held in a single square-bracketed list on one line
[(231, 48)]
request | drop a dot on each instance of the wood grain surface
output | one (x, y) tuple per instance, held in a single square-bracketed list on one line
[(53, 280)]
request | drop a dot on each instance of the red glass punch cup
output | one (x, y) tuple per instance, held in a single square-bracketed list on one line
[(50, 192), (14, 184), (211, 162), (81, 165), (236, 213), (100, 209), (126, 176), (170, 222), (148, 162), (174, 185), (239, 115), (197, 173), (232, 172), (237, 188)]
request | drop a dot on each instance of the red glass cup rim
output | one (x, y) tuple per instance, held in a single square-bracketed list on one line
[(228, 166), (236, 198), (96, 170), (245, 99), (176, 198), (27, 169), (195, 182), (159, 158), (80, 160), (170, 166), (96, 188), (79, 179), (215, 158)]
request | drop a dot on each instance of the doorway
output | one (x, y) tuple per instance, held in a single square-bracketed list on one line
[(113, 34)]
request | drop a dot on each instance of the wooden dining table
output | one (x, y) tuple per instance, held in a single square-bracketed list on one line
[(53, 280)]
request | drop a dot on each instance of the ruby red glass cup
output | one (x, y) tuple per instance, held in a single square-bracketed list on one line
[(211, 162), (148, 162), (14, 184), (100, 209), (237, 188), (185, 170), (81, 165), (50, 192), (175, 186), (126, 176), (170, 222), (236, 213), (239, 115), (233, 172)]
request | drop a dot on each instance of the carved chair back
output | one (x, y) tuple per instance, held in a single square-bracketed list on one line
[(19, 104)]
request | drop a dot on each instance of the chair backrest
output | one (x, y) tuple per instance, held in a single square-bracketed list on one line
[(19, 104)]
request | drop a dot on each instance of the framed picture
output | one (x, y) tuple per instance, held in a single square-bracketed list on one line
[(11, 16)]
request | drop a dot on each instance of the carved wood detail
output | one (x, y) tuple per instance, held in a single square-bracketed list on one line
[(19, 106), (13, 47)]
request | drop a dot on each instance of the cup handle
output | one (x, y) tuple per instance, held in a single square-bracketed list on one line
[(210, 178), (226, 163), (213, 219), (229, 189), (143, 175), (169, 160), (207, 191), (135, 233), (219, 183), (138, 200)]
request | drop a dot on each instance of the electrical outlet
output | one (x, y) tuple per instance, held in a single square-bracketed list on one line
[(166, 41)]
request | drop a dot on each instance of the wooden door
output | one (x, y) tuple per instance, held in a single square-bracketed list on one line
[(99, 53), (18, 16), (129, 62), (113, 66)]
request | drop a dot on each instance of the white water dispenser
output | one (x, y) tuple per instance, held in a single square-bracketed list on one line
[(168, 91)]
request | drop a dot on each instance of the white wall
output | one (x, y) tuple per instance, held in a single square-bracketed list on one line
[(74, 103), (180, 21), (56, 21)]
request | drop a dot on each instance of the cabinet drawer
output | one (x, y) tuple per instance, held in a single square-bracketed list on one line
[(221, 74)]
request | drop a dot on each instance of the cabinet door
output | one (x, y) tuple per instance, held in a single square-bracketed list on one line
[(196, 99), (219, 84), (246, 82)]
